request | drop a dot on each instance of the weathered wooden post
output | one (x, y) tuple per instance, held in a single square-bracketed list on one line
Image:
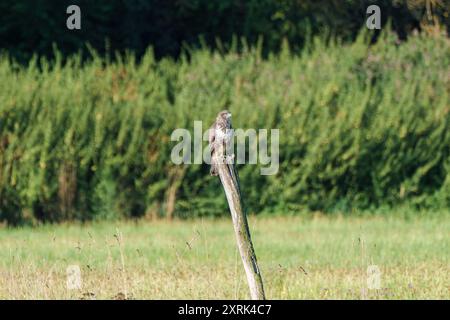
[(230, 182)]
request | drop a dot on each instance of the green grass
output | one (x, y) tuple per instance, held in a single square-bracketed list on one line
[(301, 258)]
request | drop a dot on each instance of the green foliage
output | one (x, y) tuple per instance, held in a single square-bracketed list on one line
[(360, 126), (29, 27)]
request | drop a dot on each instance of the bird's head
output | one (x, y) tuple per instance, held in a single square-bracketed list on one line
[(224, 115)]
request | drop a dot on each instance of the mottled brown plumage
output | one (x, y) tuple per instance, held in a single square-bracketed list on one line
[(219, 133)]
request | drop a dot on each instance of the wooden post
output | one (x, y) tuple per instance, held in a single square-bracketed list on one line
[(230, 182)]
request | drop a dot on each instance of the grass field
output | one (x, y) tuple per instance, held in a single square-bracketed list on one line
[(301, 258)]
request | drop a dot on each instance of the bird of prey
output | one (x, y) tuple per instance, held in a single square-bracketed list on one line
[(219, 133)]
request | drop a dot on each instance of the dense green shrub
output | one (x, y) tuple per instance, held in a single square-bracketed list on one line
[(361, 126)]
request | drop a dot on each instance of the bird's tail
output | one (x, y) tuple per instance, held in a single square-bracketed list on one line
[(213, 170)]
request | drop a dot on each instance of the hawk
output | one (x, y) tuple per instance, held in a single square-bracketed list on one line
[(219, 133)]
